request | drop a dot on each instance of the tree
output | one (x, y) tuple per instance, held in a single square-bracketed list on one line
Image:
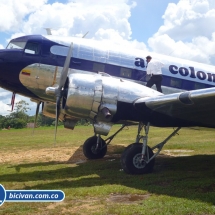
[(44, 120), (19, 118), (2, 119), (21, 109)]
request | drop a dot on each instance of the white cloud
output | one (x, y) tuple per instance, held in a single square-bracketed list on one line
[(106, 19), (188, 31), (5, 99), (186, 20), (4, 109), (72, 18), (1, 46), (193, 51), (14, 12)]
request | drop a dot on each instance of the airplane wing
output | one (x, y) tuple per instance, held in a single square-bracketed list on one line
[(196, 107)]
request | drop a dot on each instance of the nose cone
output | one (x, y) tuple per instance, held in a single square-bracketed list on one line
[(2, 55), (10, 61), (4, 73), (2, 61)]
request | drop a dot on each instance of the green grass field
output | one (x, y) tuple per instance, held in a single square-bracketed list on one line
[(183, 180)]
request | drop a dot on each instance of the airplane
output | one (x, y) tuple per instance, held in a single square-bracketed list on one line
[(78, 78)]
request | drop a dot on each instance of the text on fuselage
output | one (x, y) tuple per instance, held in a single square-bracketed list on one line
[(183, 71)]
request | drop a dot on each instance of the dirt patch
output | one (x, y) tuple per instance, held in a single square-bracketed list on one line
[(177, 152), (92, 204), (77, 206), (57, 154), (128, 198), (52, 206), (68, 154)]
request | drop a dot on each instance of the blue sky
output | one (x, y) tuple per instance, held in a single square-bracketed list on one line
[(146, 18), (184, 28)]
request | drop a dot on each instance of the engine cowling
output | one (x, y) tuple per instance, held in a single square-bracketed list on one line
[(95, 97), (92, 97), (49, 110)]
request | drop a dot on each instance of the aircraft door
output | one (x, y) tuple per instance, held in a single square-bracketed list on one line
[(45, 69), (48, 71)]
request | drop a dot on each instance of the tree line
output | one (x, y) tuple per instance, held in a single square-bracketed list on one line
[(19, 118)]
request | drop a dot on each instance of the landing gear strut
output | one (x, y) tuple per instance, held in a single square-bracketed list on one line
[(138, 158), (95, 147)]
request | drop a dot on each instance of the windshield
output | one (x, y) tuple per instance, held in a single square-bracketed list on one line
[(16, 45)]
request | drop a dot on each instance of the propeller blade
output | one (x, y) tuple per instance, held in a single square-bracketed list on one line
[(65, 68), (57, 114), (35, 119), (58, 91)]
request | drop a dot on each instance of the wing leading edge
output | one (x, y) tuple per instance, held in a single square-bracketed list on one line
[(190, 108)]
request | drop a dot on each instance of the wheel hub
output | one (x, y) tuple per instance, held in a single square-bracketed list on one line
[(95, 149), (138, 161)]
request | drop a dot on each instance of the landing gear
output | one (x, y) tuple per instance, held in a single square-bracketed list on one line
[(134, 162), (139, 158), (94, 148)]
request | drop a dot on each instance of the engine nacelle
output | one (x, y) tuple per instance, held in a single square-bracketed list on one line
[(49, 110), (95, 97), (90, 96)]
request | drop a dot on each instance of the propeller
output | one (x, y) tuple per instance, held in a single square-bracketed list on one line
[(59, 90)]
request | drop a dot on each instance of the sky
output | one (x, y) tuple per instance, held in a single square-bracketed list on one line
[(180, 28)]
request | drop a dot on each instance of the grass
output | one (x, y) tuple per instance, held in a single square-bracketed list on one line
[(179, 184)]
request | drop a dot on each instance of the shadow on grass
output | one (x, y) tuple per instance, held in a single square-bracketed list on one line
[(191, 177)]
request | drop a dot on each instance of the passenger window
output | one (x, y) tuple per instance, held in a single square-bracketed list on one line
[(124, 72), (199, 86), (98, 67), (175, 82), (32, 48)]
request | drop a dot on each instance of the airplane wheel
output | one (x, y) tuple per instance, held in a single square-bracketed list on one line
[(131, 160), (90, 151)]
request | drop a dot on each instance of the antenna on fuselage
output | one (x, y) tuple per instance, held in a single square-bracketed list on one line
[(48, 31), (171, 52), (85, 35), (12, 101)]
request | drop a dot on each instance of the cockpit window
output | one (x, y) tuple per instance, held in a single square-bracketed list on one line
[(32, 48), (16, 45)]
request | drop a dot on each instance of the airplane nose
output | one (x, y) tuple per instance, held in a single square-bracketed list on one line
[(2, 55)]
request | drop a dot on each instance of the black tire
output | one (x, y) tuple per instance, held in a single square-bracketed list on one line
[(131, 160), (90, 151)]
